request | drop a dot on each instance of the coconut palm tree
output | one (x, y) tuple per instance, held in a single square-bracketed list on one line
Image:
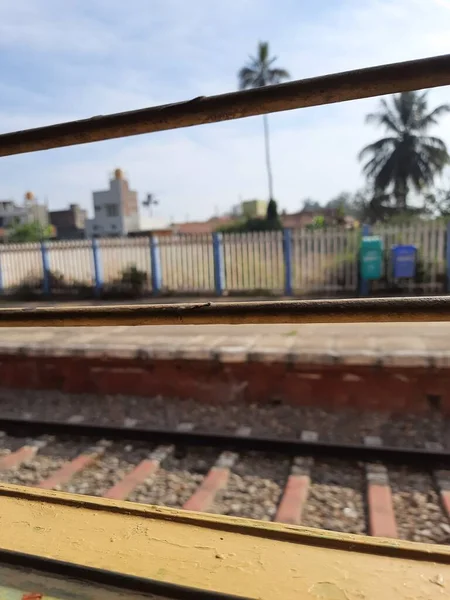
[(407, 156), (260, 72)]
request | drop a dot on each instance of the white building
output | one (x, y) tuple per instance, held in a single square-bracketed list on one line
[(116, 211)]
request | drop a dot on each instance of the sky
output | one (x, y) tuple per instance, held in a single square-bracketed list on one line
[(62, 60)]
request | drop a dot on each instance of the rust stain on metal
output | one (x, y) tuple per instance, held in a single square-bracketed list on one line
[(236, 313), (338, 87)]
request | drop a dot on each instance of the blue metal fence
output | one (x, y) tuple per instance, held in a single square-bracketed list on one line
[(289, 262)]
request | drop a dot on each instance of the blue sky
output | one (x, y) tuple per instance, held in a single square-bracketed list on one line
[(67, 59)]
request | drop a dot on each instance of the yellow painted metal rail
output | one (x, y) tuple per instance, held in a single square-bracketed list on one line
[(228, 555), (351, 85)]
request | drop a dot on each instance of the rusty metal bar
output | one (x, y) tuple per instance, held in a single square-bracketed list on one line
[(339, 87), (235, 313)]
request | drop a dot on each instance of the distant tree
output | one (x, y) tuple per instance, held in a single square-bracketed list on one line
[(369, 206), (28, 232), (248, 225), (270, 223), (311, 205), (342, 200), (407, 156), (260, 72), (272, 210), (318, 223), (437, 203)]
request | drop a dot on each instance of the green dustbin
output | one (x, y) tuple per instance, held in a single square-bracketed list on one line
[(371, 257)]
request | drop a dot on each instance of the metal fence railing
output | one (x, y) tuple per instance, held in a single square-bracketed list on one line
[(296, 262)]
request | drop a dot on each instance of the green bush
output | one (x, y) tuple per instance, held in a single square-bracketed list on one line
[(32, 288), (134, 278)]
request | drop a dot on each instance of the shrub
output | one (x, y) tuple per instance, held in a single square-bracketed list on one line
[(134, 276)]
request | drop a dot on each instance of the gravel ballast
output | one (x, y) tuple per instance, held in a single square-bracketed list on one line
[(177, 479), (47, 460), (254, 487), (257, 480), (336, 498), (418, 509), (108, 469), (32, 472), (342, 426)]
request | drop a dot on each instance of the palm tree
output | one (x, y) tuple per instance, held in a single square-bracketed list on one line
[(260, 72), (408, 155)]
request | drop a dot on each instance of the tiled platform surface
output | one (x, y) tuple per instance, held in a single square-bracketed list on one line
[(373, 344), (381, 366)]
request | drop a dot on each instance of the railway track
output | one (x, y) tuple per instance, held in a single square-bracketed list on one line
[(363, 489)]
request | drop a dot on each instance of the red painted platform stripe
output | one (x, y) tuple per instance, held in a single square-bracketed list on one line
[(138, 475), (203, 498), (445, 497), (294, 499), (381, 511), (15, 459), (67, 471)]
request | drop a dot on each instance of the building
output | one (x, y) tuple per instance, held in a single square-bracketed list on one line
[(197, 227), (254, 209), (70, 223), (30, 211), (152, 226), (304, 218), (116, 211)]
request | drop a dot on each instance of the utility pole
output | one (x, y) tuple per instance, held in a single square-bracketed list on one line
[(150, 202)]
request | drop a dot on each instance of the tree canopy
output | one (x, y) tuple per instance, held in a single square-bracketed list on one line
[(407, 157), (260, 72), (28, 232)]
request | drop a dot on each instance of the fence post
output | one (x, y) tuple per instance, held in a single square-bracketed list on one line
[(97, 267), (155, 261), (1, 273), (287, 256), (447, 253), (219, 266), (363, 283), (45, 269)]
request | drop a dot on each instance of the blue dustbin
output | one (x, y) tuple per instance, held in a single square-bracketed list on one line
[(404, 261)]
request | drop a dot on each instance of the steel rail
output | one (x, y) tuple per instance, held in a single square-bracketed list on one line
[(293, 311), (327, 89), (288, 446)]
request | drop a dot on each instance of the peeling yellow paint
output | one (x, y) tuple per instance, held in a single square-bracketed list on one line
[(230, 555)]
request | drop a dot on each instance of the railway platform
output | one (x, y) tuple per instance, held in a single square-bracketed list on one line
[(385, 366)]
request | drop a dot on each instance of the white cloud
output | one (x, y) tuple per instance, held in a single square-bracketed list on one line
[(112, 56)]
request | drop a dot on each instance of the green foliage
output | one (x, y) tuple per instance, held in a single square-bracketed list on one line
[(317, 224), (259, 71), (437, 203), (134, 278), (31, 288), (270, 223), (251, 225), (311, 205), (407, 157), (367, 206), (28, 232), (272, 211)]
